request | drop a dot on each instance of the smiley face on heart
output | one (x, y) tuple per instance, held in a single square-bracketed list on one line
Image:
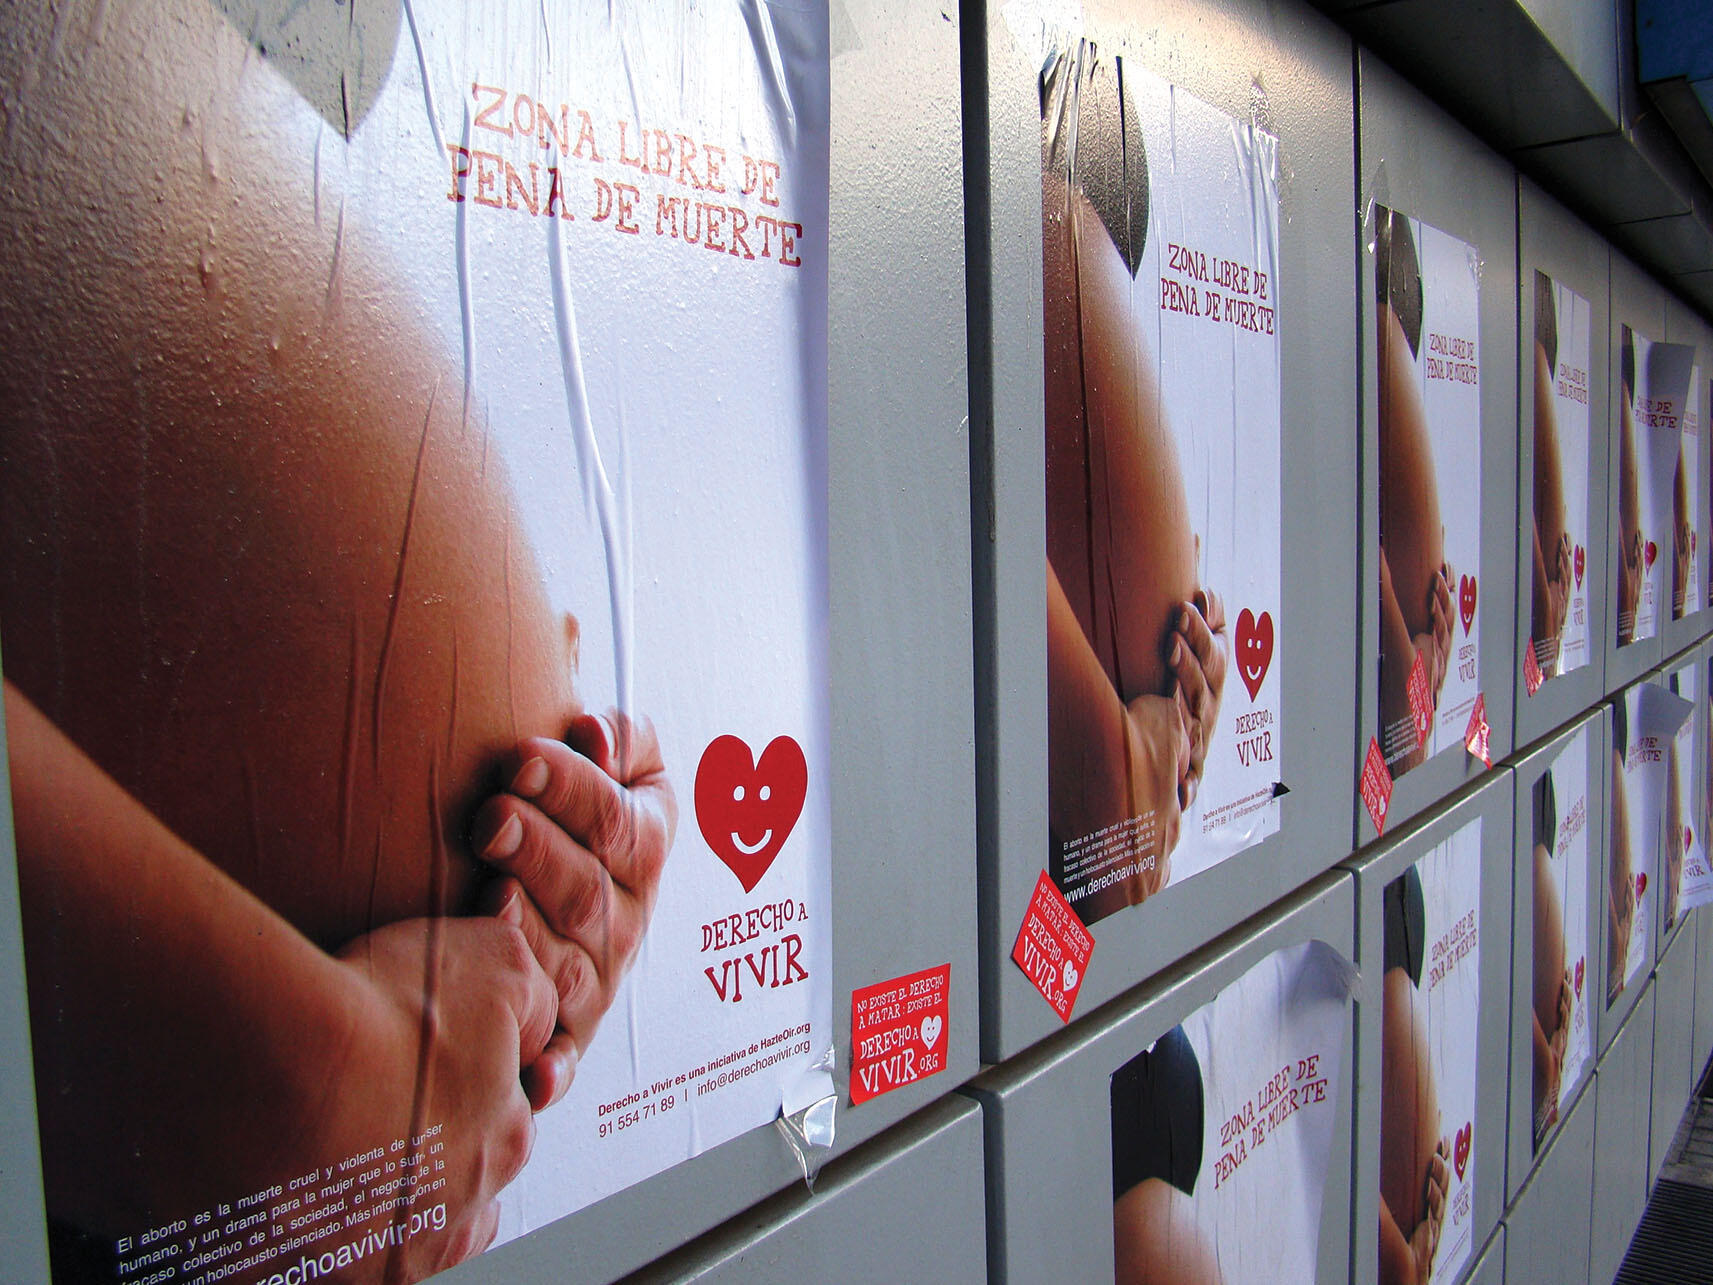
[(746, 808), (931, 1026), (1688, 838), (1461, 1148), (1641, 884), (1579, 979), (1649, 554), (1581, 559), (1466, 601), (1254, 637), (1071, 976)]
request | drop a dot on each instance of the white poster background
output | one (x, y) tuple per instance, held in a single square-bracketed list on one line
[(683, 520), (1254, 1039), (1213, 199), (1569, 864), (1448, 372), (1571, 415), (1450, 1000)]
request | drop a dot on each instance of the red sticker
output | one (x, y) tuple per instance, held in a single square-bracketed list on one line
[(1476, 736), (1649, 554), (1581, 561), (1421, 700), (1532, 676), (1461, 1146), (1579, 977), (1376, 785), (899, 1031), (1053, 947)]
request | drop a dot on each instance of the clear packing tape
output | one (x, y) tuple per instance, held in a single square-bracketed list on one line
[(808, 1115)]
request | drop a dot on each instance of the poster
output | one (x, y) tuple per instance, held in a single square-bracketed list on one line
[(1685, 506), (1559, 615), (1165, 633), (1561, 1030), (1430, 487), (1222, 1130), (1653, 388), (1645, 722), (1430, 1010), (1697, 889), (415, 616), (1682, 843)]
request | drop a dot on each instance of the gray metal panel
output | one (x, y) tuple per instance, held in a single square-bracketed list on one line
[(1639, 302), (1489, 1268), (1478, 56), (1521, 1156), (1492, 801), (1553, 241), (899, 592), (1055, 1101), (1674, 1005), (1542, 1243), (1622, 1091), (1683, 326), (1220, 52), (910, 1201), (1414, 158)]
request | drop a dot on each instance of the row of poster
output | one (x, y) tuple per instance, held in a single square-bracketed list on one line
[(352, 731)]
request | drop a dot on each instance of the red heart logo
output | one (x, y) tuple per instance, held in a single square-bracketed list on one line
[(1650, 554), (1466, 601), (1579, 979), (1460, 1150), (1254, 648), (746, 809), (1688, 838), (1580, 560), (1641, 884)]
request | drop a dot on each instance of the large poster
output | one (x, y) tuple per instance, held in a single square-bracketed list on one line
[(1430, 1010), (1222, 1130), (1428, 284), (413, 585), (1653, 388), (1561, 1031), (1558, 629), (1160, 248), (1645, 722)]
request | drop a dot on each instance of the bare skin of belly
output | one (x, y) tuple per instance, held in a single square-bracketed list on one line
[(258, 565)]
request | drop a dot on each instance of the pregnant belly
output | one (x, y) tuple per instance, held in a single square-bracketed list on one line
[(1412, 533), (1118, 526), (1409, 1105)]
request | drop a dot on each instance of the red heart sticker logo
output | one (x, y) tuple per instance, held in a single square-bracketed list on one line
[(1460, 1149), (746, 809), (1650, 554), (1641, 884), (1466, 601), (1254, 648), (1581, 559), (1688, 838), (1579, 979)]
